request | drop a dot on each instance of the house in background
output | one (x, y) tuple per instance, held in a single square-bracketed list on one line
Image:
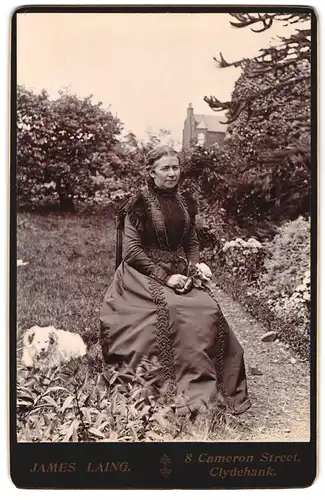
[(205, 130)]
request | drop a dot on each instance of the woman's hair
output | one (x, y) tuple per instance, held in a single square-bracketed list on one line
[(157, 153)]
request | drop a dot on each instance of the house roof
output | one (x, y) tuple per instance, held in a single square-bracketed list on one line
[(210, 122), (201, 125)]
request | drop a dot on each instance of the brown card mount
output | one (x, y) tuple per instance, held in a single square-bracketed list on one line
[(163, 273)]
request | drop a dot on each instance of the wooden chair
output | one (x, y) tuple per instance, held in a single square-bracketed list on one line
[(118, 246)]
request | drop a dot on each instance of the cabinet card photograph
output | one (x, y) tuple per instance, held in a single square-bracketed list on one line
[(163, 246)]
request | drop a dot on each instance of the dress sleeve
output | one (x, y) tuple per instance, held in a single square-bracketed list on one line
[(135, 256), (193, 247)]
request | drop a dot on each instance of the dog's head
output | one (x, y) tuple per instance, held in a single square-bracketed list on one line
[(40, 338)]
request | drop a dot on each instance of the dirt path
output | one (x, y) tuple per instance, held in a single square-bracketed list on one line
[(280, 395)]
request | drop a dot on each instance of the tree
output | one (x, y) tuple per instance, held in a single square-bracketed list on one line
[(33, 124), (269, 117), (283, 69), (205, 172), (62, 143), (129, 143), (256, 138)]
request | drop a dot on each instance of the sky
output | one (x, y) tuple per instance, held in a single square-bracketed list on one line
[(146, 67)]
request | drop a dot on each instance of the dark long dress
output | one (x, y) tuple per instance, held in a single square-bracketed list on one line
[(199, 353)]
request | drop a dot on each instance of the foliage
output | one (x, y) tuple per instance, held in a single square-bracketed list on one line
[(154, 139), (269, 120), (273, 123), (240, 259), (66, 404), (285, 285), (63, 405), (271, 280), (265, 177), (244, 258), (295, 309), (61, 144), (289, 53), (204, 170), (288, 259), (273, 114), (231, 200)]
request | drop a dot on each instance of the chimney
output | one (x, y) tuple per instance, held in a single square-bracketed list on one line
[(190, 110)]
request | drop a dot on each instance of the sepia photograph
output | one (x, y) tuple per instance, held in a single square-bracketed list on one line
[(163, 222)]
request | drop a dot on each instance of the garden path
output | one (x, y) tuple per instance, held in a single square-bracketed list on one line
[(280, 394)]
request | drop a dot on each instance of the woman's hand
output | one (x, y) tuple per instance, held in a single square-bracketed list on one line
[(176, 281)]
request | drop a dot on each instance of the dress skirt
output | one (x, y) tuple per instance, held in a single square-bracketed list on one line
[(198, 351)]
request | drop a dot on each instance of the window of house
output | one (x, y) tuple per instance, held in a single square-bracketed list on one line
[(200, 139)]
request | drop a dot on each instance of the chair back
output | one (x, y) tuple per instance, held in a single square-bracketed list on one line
[(119, 224), (118, 246)]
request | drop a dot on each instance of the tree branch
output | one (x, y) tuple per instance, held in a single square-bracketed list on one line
[(237, 107)]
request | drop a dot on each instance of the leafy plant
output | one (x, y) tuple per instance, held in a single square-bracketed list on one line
[(61, 144), (288, 259), (121, 405)]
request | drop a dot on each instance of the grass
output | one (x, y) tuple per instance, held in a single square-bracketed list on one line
[(71, 262)]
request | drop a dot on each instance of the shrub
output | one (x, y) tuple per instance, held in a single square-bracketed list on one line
[(61, 144), (288, 259), (271, 281), (285, 284), (244, 258)]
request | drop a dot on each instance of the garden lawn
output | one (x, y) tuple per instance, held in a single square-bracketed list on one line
[(71, 262)]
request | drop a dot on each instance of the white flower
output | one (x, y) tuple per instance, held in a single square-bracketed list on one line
[(254, 243), (240, 241), (204, 271)]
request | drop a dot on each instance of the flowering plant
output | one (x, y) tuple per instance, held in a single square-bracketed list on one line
[(201, 275), (198, 276)]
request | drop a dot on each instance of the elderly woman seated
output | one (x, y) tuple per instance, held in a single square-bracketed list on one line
[(152, 308)]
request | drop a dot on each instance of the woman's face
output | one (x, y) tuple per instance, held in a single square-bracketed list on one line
[(166, 172)]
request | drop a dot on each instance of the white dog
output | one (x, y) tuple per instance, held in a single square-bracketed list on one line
[(55, 345)]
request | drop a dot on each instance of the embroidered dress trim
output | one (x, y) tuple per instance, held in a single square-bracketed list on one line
[(164, 338), (221, 329)]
